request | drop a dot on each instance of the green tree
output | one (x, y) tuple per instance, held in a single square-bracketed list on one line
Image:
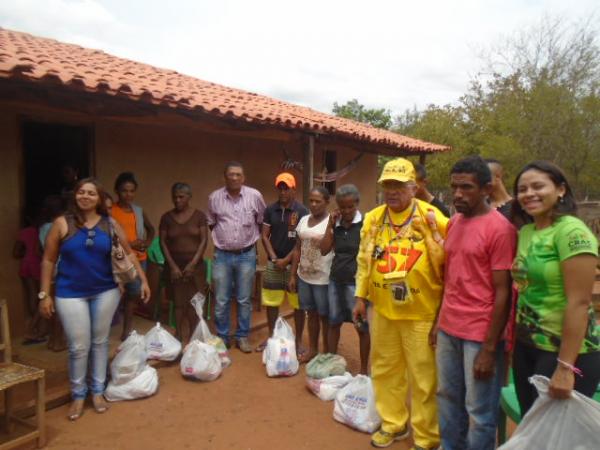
[(379, 118)]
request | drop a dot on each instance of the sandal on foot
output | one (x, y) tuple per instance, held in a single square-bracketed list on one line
[(100, 404), (261, 347), (75, 410)]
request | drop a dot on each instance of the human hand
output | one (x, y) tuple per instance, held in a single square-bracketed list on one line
[(432, 338), (145, 292), (360, 310), (280, 263), (189, 271), (292, 284), (334, 217), (176, 274), (46, 307), (484, 364), (561, 383), (138, 245)]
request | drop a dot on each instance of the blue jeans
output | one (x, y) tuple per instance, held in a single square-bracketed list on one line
[(468, 408), (233, 275), (341, 302), (313, 296), (86, 322)]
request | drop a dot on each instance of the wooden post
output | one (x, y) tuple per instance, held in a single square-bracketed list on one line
[(422, 159), (308, 168)]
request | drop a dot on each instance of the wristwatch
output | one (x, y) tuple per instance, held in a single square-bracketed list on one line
[(42, 295)]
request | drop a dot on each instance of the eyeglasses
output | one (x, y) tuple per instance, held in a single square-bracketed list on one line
[(89, 242)]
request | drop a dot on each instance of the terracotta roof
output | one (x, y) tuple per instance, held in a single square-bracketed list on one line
[(40, 60)]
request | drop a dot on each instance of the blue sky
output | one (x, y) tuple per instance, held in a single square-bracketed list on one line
[(394, 54)]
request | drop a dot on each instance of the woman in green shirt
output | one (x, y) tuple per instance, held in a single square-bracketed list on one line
[(554, 271)]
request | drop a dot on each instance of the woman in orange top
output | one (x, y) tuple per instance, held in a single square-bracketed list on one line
[(139, 232)]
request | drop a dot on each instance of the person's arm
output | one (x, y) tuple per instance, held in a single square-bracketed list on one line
[(485, 361), (18, 250), (176, 273), (368, 234), (57, 231), (211, 216), (192, 266), (149, 231), (578, 279), (145, 289), (328, 240), (294, 269), (265, 237)]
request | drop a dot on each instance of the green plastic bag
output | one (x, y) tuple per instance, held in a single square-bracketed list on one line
[(326, 365)]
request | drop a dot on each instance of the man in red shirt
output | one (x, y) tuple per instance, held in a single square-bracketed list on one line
[(480, 248)]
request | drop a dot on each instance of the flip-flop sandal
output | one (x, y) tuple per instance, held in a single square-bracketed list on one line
[(75, 411), (261, 347)]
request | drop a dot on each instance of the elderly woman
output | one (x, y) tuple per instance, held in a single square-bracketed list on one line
[(86, 293), (183, 234), (554, 270), (343, 237)]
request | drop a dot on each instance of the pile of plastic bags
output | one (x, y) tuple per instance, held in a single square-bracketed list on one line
[(131, 376), (557, 424), (279, 356), (355, 405)]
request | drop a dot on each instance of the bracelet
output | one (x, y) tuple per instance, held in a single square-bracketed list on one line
[(571, 367)]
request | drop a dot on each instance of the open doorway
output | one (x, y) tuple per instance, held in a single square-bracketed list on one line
[(53, 153)]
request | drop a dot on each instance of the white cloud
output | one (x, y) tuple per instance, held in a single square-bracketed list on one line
[(385, 53)]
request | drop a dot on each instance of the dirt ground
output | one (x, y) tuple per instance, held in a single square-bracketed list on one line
[(243, 409)]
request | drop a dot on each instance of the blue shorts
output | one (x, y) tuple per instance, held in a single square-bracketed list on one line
[(134, 288), (313, 297), (341, 302)]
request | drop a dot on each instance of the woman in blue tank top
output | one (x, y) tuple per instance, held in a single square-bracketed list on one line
[(86, 293)]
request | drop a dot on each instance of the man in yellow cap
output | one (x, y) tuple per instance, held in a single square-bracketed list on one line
[(400, 266)]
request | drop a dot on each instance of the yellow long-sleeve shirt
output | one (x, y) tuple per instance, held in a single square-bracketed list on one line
[(410, 253)]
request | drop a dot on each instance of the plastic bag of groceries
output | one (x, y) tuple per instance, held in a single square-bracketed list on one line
[(130, 359), (143, 385), (279, 356), (160, 344), (327, 388), (325, 365), (557, 424), (203, 334), (201, 361), (355, 405)]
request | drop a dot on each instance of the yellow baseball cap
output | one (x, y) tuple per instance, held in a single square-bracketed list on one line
[(398, 169)]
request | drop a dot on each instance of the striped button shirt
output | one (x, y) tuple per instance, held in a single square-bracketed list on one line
[(235, 221)]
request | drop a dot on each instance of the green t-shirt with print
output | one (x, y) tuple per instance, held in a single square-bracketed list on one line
[(538, 276)]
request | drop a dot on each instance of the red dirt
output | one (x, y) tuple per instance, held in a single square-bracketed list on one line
[(243, 409)]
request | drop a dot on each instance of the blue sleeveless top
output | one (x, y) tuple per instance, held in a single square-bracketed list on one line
[(83, 270)]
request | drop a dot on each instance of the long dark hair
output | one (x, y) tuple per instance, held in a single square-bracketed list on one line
[(100, 207), (566, 207)]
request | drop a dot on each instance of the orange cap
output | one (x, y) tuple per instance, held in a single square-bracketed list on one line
[(286, 178)]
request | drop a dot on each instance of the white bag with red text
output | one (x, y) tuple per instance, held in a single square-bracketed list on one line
[(162, 345), (130, 359), (203, 334), (201, 361), (557, 424), (279, 356), (355, 405), (143, 385), (327, 388)]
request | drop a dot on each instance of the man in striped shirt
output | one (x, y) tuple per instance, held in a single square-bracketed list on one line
[(235, 215)]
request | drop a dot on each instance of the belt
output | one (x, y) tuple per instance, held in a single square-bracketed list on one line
[(238, 252)]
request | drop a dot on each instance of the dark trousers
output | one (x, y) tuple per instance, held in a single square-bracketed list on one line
[(528, 361)]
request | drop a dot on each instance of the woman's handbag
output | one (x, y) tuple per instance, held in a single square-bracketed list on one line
[(123, 269)]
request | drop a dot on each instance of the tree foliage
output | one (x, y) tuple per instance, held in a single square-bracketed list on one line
[(352, 109)]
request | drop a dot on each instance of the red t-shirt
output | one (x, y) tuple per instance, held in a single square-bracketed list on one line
[(474, 248)]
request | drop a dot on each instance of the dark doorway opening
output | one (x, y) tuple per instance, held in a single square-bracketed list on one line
[(49, 151)]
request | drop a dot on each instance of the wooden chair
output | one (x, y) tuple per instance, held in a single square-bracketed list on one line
[(11, 375)]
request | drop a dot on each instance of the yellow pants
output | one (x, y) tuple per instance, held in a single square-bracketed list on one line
[(400, 352)]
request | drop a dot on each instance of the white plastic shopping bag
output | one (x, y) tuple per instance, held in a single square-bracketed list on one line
[(160, 344), (279, 355), (327, 388), (203, 334), (557, 424), (355, 405), (201, 361), (143, 385), (130, 359)]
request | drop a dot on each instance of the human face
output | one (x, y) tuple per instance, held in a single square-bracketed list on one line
[(496, 174), (126, 192), (537, 194), (87, 197), (285, 193), (398, 195), (181, 199), (468, 197), (317, 203), (234, 178), (347, 206)]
